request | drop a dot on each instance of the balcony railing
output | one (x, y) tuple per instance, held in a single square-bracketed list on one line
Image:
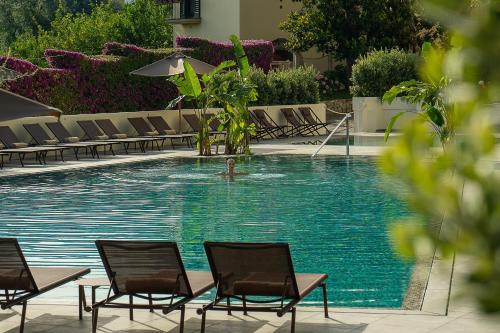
[(185, 12)]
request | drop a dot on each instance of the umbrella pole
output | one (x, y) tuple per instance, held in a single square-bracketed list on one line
[(179, 108)]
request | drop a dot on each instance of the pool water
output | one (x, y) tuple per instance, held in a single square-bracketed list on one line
[(333, 211)]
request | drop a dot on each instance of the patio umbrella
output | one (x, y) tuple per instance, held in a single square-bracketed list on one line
[(13, 106), (173, 65), (8, 74)]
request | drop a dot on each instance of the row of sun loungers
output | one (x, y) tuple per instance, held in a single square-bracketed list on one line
[(100, 134), (154, 272)]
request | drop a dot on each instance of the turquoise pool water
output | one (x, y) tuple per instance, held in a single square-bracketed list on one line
[(333, 212)]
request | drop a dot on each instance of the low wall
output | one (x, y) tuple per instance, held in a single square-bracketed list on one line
[(371, 115), (120, 119)]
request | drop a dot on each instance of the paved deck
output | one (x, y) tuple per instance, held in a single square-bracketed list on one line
[(462, 317)]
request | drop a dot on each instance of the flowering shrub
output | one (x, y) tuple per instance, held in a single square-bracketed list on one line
[(286, 87), (260, 52), (334, 83), (77, 83)]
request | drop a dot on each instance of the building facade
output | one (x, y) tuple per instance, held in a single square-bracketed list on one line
[(248, 19)]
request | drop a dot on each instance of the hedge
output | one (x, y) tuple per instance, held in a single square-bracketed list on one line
[(76, 83), (260, 52), (286, 87), (376, 72)]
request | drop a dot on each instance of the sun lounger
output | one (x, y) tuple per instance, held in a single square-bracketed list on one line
[(94, 133), (145, 130), (14, 146), (64, 136), (20, 282), (151, 271), (266, 122), (265, 271), (312, 119), (163, 128), (295, 125), (194, 122), (2, 155), (43, 139), (214, 124), (112, 131)]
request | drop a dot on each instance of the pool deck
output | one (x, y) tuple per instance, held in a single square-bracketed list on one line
[(463, 317)]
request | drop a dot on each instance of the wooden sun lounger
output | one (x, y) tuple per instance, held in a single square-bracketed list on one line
[(194, 122), (245, 270), (64, 136), (152, 271), (268, 124), (164, 128), (94, 133), (112, 131), (43, 139), (15, 146), (295, 125), (20, 282), (2, 155), (312, 119), (144, 130)]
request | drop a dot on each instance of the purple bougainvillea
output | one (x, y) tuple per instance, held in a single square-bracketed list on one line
[(77, 83), (260, 52)]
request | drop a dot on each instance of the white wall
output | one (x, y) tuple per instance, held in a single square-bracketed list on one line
[(371, 115), (219, 19)]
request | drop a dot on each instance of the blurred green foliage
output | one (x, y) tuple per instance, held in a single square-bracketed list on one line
[(458, 184)]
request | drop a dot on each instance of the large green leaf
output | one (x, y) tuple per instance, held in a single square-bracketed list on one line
[(435, 116), (393, 120), (192, 83), (241, 57)]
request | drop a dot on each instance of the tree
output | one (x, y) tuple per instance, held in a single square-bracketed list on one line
[(142, 22), (347, 29), (30, 16)]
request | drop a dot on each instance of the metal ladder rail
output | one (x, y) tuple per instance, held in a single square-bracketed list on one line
[(345, 119)]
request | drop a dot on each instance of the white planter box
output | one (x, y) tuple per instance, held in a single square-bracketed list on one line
[(371, 115)]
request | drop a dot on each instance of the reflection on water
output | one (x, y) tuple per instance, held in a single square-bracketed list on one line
[(332, 211)]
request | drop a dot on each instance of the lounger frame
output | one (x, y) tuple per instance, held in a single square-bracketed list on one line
[(174, 301), (20, 297), (286, 304)]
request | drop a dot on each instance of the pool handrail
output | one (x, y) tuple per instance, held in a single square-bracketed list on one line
[(346, 120)]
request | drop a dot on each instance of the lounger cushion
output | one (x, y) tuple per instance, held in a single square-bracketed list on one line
[(152, 133), (18, 145), (262, 284), (10, 280), (47, 278), (50, 142), (120, 136), (72, 139), (200, 282), (308, 282), (102, 137), (169, 132), (153, 285)]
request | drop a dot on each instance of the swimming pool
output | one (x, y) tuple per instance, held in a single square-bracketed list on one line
[(333, 211)]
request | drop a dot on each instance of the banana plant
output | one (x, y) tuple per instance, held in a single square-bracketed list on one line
[(201, 93), (430, 93), (234, 92)]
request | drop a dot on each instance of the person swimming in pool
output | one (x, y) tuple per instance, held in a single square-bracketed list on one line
[(230, 163)]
